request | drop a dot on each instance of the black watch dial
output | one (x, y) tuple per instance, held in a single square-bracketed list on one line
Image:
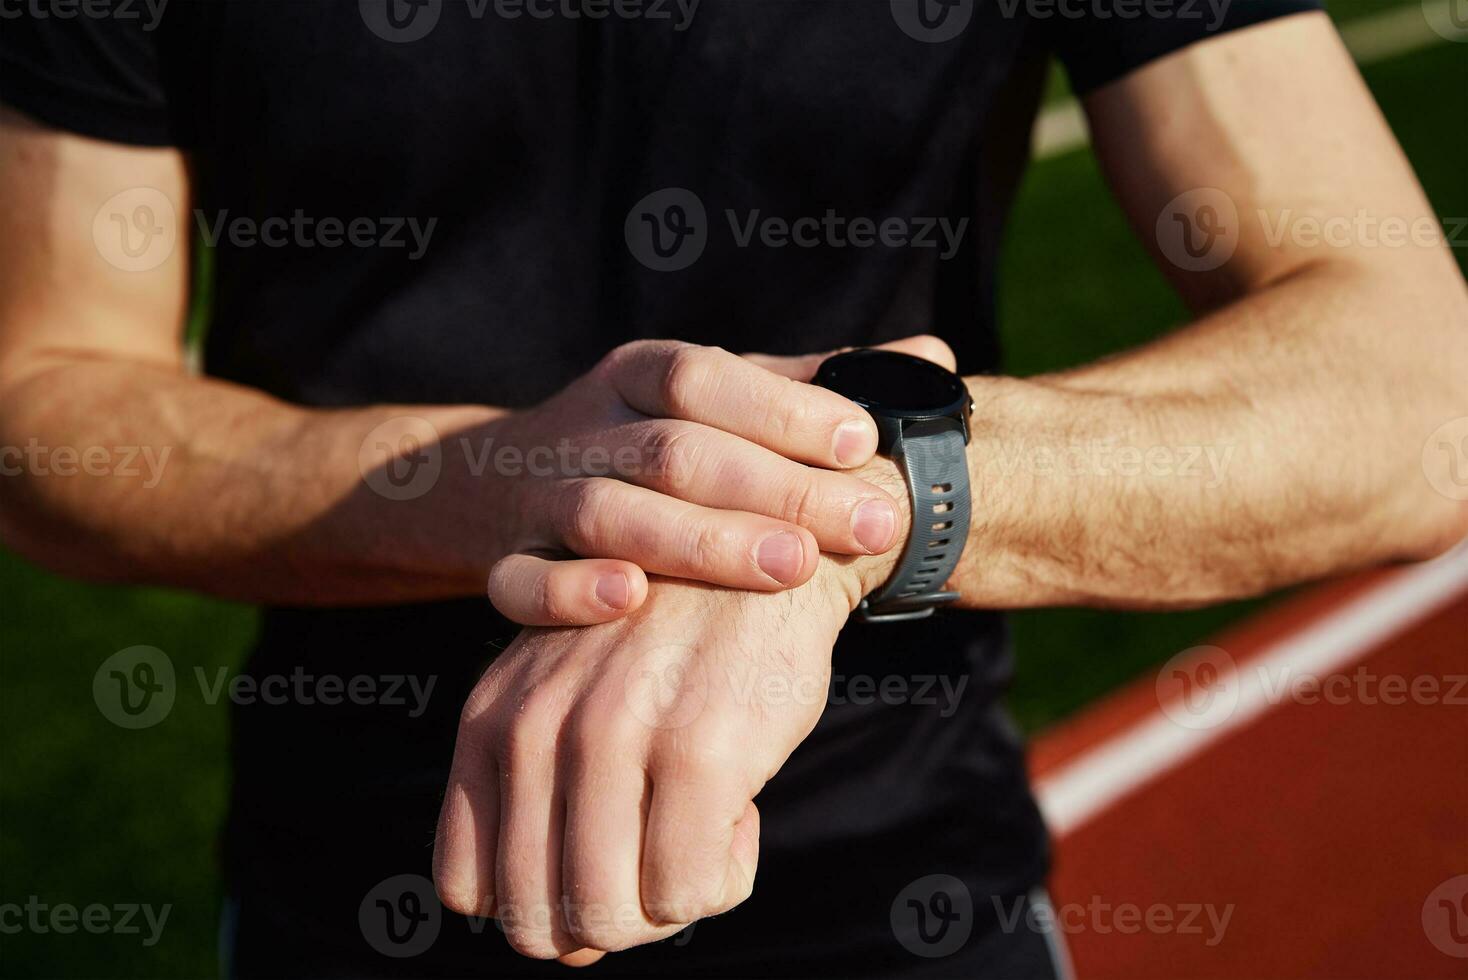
[(893, 384)]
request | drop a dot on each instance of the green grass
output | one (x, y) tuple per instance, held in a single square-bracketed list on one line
[(90, 813)]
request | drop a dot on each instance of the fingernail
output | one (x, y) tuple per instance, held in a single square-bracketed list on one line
[(855, 442), (612, 590), (781, 556), (874, 524)]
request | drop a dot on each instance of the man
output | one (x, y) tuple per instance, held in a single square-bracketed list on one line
[(452, 245)]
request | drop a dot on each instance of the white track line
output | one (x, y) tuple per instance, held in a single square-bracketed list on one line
[(1403, 30), (1105, 773)]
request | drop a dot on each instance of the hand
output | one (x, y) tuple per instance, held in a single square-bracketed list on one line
[(603, 778), (706, 478)]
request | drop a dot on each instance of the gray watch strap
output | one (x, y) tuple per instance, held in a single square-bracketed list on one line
[(935, 464)]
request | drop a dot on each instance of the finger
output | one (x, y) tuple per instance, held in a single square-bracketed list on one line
[(701, 849), (465, 843), (602, 518), (668, 379), (603, 849), (532, 591), (705, 466), (803, 367), (528, 865), (582, 957)]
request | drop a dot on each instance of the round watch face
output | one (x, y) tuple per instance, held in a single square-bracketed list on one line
[(894, 384)]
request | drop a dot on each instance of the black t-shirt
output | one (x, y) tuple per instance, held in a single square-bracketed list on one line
[(464, 204)]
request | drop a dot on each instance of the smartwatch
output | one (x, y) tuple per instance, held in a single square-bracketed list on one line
[(922, 413)]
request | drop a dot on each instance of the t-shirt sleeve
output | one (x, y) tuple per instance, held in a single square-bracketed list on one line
[(95, 75), (1099, 41)]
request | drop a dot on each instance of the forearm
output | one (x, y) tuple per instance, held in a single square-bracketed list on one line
[(1274, 441), (202, 484)]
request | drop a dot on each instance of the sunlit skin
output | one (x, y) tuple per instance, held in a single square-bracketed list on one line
[(1322, 368)]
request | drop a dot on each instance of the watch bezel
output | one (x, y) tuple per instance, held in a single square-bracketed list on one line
[(960, 409)]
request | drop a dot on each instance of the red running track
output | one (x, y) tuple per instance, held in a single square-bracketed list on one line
[(1317, 840)]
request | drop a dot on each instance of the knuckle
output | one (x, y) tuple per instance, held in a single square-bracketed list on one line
[(803, 500), (591, 925), (456, 892), (532, 943), (586, 510), (686, 374), (526, 740), (616, 358), (934, 349), (557, 598), (706, 542), (673, 452), (678, 904)]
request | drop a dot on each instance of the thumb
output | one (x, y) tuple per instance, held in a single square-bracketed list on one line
[(803, 367)]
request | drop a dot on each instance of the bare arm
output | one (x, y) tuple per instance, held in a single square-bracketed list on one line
[(1280, 436), (121, 464)]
